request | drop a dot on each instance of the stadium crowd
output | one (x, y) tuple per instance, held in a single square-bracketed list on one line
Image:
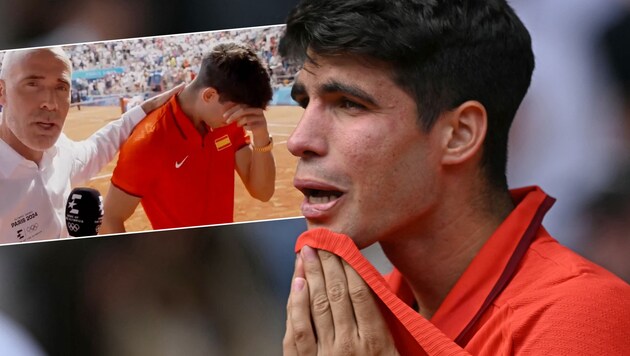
[(155, 63)]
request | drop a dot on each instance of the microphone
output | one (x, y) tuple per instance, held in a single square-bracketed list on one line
[(84, 212)]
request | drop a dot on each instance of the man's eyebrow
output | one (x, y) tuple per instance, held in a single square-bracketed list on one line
[(337, 87), (40, 77), (33, 76)]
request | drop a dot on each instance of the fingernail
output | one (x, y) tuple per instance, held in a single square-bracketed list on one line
[(298, 284), (308, 254)]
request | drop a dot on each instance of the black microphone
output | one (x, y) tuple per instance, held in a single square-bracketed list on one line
[(84, 212)]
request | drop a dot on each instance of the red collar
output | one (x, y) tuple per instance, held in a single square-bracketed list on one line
[(475, 285), (184, 124), (481, 282)]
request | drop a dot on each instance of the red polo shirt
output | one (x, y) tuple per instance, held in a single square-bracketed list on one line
[(182, 177), (522, 294)]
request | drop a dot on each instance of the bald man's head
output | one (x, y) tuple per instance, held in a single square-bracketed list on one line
[(35, 95), (14, 56)]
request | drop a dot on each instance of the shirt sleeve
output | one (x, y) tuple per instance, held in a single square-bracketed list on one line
[(92, 154)]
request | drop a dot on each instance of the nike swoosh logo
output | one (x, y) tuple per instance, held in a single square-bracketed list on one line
[(179, 164)]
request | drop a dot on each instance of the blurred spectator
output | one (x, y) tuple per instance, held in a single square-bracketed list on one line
[(616, 46), (608, 239), (566, 135), (152, 64)]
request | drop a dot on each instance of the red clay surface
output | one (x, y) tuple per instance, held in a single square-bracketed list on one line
[(281, 120)]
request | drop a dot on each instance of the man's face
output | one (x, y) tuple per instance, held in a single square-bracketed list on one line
[(213, 111), (365, 168), (35, 95)]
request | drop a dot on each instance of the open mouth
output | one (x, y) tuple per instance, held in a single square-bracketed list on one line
[(319, 196), (321, 200)]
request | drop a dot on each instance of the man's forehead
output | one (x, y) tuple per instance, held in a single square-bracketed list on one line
[(40, 62), (314, 59), (315, 74), (319, 71)]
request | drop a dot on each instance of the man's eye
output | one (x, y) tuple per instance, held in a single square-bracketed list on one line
[(62, 88), (31, 84), (349, 104)]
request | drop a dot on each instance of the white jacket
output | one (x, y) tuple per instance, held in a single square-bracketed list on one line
[(32, 198)]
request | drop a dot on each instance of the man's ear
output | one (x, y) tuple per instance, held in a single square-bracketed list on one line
[(208, 94), (464, 130)]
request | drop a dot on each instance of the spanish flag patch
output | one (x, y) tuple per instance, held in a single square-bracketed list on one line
[(223, 142)]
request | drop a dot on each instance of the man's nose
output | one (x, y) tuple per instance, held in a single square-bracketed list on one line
[(50, 100), (309, 138)]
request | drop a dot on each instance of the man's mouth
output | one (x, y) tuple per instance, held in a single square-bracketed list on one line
[(45, 125), (318, 196)]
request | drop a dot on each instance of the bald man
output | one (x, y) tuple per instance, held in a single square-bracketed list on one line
[(39, 164)]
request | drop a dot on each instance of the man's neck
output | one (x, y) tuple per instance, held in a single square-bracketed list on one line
[(187, 100), (7, 136), (433, 260)]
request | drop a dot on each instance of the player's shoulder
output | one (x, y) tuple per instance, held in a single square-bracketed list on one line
[(553, 280), (561, 296), (588, 314), (566, 267), (152, 130)]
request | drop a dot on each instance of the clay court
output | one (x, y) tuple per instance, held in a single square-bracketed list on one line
[(281, 120)]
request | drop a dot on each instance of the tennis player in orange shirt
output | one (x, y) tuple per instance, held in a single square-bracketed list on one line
[(180, 161), (403, 142)]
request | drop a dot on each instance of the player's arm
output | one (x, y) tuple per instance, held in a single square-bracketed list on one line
[(117, 208), (94, 153), (255, 166)]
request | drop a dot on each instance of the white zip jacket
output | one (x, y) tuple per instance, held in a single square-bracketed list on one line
[(32, 198)]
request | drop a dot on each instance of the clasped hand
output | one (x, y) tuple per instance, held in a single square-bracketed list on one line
[(331, 310)]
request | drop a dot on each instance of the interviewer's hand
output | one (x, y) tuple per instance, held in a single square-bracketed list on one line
[(160, 99), (331, 310)]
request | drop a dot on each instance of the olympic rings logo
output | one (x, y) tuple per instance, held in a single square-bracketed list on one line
[(73, 227), (32, 228)]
